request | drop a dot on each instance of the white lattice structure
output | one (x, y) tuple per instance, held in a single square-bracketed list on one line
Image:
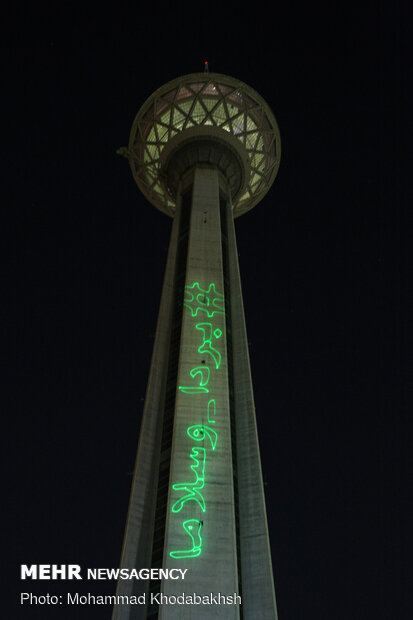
[(211, 107)]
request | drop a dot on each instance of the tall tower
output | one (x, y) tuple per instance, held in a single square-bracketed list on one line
[(204, 149)]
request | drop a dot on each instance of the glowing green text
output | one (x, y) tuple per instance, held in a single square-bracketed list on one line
[(191, 498), (193, 528), (208, 300)]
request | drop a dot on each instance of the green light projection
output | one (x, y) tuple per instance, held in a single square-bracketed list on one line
[(193, 528), (211, 303), (206, 300), (192, 489), (198, 432), (211, 407), (206, 346), (203, 381)]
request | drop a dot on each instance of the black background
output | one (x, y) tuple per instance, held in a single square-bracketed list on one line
[(324, 262)]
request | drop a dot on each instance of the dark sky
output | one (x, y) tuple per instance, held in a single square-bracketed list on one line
[(324, 261)]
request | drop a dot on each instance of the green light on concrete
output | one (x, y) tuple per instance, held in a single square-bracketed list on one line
[(192, 489), (206, 347), (198, 432), (203, 371), (208, 300), (211, 410), (193, 528)]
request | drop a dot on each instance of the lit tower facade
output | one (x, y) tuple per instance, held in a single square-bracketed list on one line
[(204, 149)]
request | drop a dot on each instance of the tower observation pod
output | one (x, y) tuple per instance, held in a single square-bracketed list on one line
[(204, 149)]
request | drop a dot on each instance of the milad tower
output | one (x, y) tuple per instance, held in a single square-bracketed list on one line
[(204, 149)]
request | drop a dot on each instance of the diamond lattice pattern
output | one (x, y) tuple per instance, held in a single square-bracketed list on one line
[(210, 104)]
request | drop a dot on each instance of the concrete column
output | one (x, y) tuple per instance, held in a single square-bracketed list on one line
[(256, 566), (137, 545), (200, 528)]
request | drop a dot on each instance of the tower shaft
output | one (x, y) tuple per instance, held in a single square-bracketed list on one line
[(197, 499)]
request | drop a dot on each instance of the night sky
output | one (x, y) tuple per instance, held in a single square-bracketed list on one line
[(324, 259)]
